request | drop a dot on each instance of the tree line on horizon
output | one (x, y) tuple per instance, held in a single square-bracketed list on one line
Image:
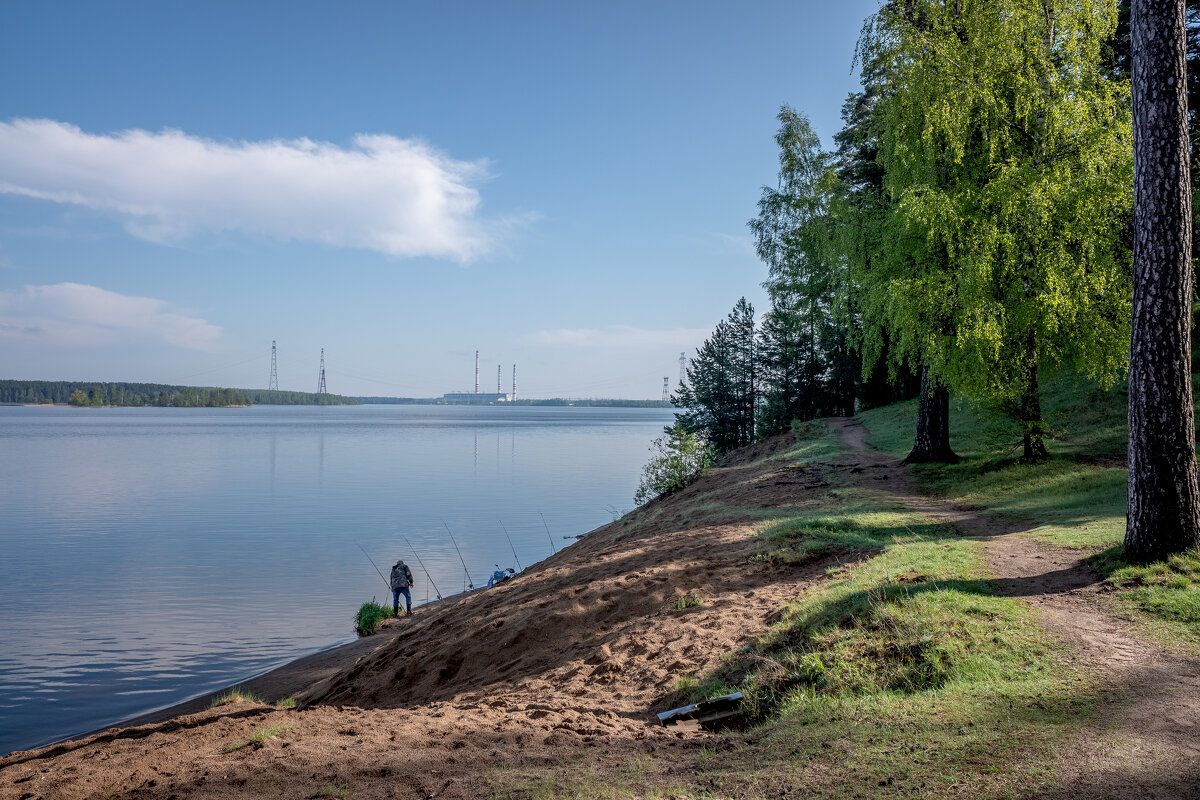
[(91, 393), (973, 229)]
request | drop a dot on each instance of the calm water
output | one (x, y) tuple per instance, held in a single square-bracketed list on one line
[(151, 555)]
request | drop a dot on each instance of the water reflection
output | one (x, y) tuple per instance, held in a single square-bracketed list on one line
[(149, 557)]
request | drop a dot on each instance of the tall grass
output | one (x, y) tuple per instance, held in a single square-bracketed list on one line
[(369, 615)]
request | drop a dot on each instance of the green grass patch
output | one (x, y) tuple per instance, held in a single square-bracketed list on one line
[(859, 525), (369, 615), (1168, 590), (339, 790), (918, 617), (901, 674), (1079, 496), (236, 695), (287, 702), (687, 601), (815, 441), (259, 737)]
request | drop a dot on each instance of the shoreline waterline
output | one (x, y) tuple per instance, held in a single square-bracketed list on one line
[(189, 542)]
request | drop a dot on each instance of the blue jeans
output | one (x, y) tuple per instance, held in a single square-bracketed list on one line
[(396, 600)]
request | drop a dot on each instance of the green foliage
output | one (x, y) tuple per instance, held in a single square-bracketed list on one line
[(677, 458), (154, 394), (369, 615), (258, 738), (807, 369), (1166, 589), (1008, 154), (719, 397), (916, 618), (235, 695), (687, 601)]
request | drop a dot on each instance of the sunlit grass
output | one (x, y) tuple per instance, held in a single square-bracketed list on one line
[(259, 737), (369, 615), (235, 695)]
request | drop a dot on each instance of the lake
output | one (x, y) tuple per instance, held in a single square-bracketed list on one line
[(153, 555)]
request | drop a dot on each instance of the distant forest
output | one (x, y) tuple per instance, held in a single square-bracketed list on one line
[(90, 393)]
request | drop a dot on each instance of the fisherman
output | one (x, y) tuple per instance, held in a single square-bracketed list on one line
[(402, 578)]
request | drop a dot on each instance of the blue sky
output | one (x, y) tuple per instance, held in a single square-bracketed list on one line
[(563, 186)]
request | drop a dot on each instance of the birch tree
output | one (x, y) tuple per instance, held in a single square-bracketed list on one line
[(1007, 151)]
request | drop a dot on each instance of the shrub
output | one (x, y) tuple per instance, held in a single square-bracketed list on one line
[(235, 695), (369, 616), (687, 601), (677, 458)]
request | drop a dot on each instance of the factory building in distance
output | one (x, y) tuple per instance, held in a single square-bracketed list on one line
[(476, 398), (479, 398)]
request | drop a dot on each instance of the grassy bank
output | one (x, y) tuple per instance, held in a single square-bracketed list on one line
[(898, 671), (901, 671), (1077, 498)]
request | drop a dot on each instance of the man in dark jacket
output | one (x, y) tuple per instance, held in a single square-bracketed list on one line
[(401, 579)]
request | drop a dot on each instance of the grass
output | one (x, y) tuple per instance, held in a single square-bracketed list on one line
[(369, 615), (258, 738), (1166, 592), (815, 441), (860, 525), (687, 601), (340, 790), (1078, 498), (901, 672), (236, 695)]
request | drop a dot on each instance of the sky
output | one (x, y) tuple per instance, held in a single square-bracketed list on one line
[(563, 187)]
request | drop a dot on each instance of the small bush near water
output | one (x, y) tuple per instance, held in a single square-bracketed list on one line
[(235, 695), (369, 616), (677, 458)]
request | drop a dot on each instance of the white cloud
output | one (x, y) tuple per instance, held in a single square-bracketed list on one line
[(618, 336), (72, 314), (395, 196)]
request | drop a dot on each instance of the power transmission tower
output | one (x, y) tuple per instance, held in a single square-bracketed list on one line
[(321, 380), (273, 383), (666, 389), (682, 367)]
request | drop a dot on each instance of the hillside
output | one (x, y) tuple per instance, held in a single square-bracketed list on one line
[(890, 641)]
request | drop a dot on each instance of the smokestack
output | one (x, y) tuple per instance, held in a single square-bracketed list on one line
[(514, 382), (498, 389), (476, 372)]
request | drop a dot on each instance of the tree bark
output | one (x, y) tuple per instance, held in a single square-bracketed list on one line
[(932, 443), (1164, 504), (1033, 427)]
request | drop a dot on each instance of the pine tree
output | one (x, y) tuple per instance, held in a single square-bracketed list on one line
[(1164, 502)]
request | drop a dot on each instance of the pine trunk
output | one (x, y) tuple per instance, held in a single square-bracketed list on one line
[(932, 443), (1164, 506)]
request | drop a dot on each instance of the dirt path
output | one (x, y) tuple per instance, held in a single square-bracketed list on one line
[(1150, 729)]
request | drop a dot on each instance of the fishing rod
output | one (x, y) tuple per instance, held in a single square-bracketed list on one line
[(427, 575), (548, 536), (460, 558), (373, 564), (510, 544)]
